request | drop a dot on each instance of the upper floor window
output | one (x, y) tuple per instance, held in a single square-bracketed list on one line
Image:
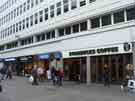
[(83, 26), (68, 30), (82, 2), (58, 8), (41, 0), (61, 32), (27, 22), (41, 16), (46, 13), (130, 13), (75, 28), (36, 18), (118, 17), (28, 4), (73, 4), (20, 9), (31, 20), (106, 20), (52, 11), (90, 1), (66, 5), (24, 7), (95, 22), (24, 24), (36, 2), (32, 3)]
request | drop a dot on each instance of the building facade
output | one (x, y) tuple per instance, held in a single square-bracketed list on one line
[(86, 34)]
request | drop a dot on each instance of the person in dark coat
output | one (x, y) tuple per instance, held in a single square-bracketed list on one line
[(106, 77), (35, 76), (9, 72)]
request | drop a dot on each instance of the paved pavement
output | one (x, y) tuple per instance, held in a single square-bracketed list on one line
[(19, 89)]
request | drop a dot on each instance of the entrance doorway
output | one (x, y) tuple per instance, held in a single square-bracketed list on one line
[(115, 63), (75, 69)]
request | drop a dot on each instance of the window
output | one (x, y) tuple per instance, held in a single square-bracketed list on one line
[(28, 4), (41, 16), (36, 18), (130, 13), (46, 13), (61, 31), (83, 26), (95, 22), (40, 37), (82, 2), (75, 28), (24, 7), (36, 2), (68, 30), (13, 28), (23, 24), (11, 14), (27, 22), (16, 27), (73, 4), (90, 1), (53, 34), (17, 11), (20, 26), (48, 35), (41, 0), (31, 20), (32, 3), (20, 9), (58, 8), (106, 20), (52, 11), (66, 5), (118, 17), (14, 13)]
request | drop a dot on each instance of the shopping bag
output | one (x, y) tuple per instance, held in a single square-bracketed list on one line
[(31, 79), (49, 74)]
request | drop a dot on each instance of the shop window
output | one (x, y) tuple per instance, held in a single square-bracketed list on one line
[(106, 20), (119, 17), (61, 32), (73, 4), (83, 26), (130, 13), (82, 2), (95, 22), (75, 28), (68, 30)]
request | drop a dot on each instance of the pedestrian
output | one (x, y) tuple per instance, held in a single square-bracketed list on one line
[(60, 77), (40, 71), (35, 75), (106, 76), (9, 72)]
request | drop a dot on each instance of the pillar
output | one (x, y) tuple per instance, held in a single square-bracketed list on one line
[(88, 70)]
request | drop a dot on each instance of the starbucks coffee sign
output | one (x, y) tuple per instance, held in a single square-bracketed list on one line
[(114, 49), (95, 51)]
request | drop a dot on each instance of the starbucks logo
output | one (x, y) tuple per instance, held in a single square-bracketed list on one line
[(127, 47)]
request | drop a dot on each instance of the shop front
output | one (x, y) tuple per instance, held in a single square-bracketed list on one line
[(88, 64)]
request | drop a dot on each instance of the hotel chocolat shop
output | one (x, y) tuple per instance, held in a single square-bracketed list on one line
[(115, 58)]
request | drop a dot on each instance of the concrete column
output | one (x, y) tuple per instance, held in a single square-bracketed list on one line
[(88, 24), (133, 46), (88, 70)]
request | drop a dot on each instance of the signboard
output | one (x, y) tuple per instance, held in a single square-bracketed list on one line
[(114, 49)]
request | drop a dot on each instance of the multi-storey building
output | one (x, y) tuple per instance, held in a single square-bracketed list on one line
[(87, 34)]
